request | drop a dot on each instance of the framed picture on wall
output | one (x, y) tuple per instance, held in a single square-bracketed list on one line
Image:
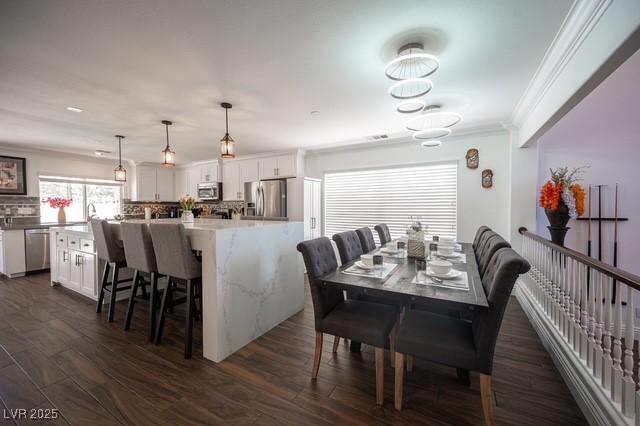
[(13, 175)]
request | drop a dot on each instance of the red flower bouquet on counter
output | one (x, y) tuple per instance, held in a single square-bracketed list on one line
[(57, 202)]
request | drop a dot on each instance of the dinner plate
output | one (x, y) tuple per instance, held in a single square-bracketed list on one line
[(389, 250), (448, 256), (364, 266), (451, 274)]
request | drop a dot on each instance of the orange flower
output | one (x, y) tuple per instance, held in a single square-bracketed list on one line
[(578, 194), (550, 196)]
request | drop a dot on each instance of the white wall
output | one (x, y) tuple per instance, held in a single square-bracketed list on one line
[(476, 205), (56, 163)]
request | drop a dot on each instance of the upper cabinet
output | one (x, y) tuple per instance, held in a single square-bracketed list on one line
[(154, 184), (282, 166), (209, 172), (188, 177), (234, 175)]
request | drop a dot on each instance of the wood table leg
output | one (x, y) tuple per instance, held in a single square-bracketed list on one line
[(336, 342), (317, 356), (486, 392), (379, 376), (399, 380)]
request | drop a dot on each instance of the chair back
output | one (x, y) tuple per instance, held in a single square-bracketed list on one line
[(174, 254), (492, 245), (107, 247), (383, 233), (349, 246), (138, 247), (501, 275), (320, 259), (482, 244), (479, 233), (366, 239)]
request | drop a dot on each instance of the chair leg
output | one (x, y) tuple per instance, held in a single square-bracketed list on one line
[(463, 376), (188, 327), (103, 284), (317, 356), (392, 345), (114, 288), (399, 380), (153, 296), (379, 376), (163, 308), (336, 342), (132, 299), (486, 392), (409, 363)]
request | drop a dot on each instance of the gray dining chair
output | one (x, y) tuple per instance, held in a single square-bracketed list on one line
[(138, 250), (383, 233), (365, 322), (481, 230), (491, 247), (482, 244), (366, 239), (461, 344), (111, 251), (176, 260), (349, 246)]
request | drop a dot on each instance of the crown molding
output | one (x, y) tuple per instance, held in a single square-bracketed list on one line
[(583, 16), (61, 153)]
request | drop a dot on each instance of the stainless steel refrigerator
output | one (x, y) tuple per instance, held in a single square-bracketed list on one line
[(266, 198)]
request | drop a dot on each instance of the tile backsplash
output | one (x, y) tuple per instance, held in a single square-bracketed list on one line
[(136, 208), (19, 206)]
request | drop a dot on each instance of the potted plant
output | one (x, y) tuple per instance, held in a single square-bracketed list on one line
[(562, 198), (60, 203), (187, 203)]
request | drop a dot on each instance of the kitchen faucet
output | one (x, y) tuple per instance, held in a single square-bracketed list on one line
[(93, 210)]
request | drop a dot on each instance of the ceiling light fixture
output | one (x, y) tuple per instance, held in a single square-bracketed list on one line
[(433, 117), (74, 109), (119, 173), (433, 133), (168, 156), (410, 88), (411, 63), (227, 144), (431, 143), (410, 106)]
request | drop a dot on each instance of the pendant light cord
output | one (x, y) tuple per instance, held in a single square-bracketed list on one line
[(226, 119), (119, 151), (167, 128)]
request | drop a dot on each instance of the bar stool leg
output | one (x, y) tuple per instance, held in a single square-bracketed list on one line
[(163, 308), (188, 335), (132, 299), (103, 284), (153, 296), (114, 287)]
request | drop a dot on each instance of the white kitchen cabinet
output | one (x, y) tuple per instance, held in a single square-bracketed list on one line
[(208, 172), (249, 171), (154, 183), (83, 269), (181, 186), (231, 181), (283, 166), (312, 209), (13, 253), (75, 271), (62, 266)]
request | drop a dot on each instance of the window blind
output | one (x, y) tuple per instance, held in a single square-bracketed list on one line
[(368, 197)]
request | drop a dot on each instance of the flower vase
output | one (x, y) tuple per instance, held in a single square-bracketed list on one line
[(62, 215), (558, 220), (187, 216)]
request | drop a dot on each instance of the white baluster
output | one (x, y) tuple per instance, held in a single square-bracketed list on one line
[(583, 313), (597, 355), (568, 308), (570, 302), (578, 312), (628, 385), (561, 295), (607, 364), (616, 381), (591, 321)]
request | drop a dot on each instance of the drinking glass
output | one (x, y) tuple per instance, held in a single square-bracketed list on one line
[(433, 249), (378, 263), (421, 270), (401, 247)]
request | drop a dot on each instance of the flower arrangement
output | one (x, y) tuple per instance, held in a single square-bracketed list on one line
[(563, 189), (59, 202), (187, 202)]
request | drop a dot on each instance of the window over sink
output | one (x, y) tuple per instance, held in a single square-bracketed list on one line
[(105, 195)]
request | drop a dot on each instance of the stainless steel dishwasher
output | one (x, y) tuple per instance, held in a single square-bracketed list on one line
[(36, 244)]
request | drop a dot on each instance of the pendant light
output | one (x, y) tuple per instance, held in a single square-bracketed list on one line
[(120, 173), (227, 144), (168, 156)]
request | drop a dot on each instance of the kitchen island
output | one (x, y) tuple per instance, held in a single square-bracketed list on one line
[(252, 277)]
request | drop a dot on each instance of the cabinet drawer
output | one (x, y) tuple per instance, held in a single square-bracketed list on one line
[(61, 240), (73, 243), (87, 246)]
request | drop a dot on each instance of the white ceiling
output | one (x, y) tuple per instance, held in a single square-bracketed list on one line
[(130, 65)]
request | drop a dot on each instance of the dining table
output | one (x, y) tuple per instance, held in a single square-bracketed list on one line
[(400, 283)]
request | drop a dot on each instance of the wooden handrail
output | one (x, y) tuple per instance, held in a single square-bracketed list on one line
[(617, 274)]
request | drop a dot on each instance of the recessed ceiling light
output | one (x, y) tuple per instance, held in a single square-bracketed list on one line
[(74, 109), (431, 144), (101, 152)]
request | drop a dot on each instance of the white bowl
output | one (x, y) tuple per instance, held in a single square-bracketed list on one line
[(440, 267), (367, 259), (445, 250)]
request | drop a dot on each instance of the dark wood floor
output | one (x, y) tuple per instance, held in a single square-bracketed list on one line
[(55, 351)]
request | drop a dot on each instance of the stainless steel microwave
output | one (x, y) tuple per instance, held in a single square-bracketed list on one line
[(210, 191)]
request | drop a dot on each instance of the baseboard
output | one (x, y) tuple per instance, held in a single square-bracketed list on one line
[(595, 404)]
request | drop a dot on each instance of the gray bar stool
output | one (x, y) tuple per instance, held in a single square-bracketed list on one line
[(138, 250), (112, 252), (176, 260)]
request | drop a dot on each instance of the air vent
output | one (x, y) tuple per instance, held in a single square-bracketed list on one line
[(378, 137)]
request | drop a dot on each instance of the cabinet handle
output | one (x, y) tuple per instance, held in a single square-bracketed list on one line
[(64, 256)]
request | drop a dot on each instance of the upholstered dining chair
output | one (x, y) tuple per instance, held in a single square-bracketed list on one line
[(491, 247), (366, 239), (481, 230), (482, 244), (111, 251), (365, 322), (458, 343), (349, 246), (383, 233)]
